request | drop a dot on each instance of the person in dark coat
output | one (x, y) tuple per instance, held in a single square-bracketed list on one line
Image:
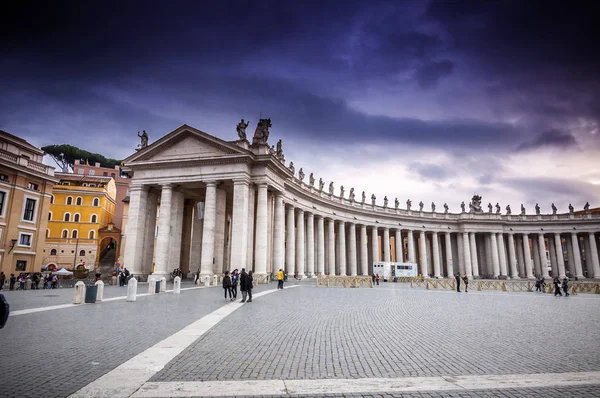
[(2, 280), (227, 285), (235, 276), (457, 277), (12, 281), (250, 286), (556, 282), (244, 284), (466, 281), (565, 287)]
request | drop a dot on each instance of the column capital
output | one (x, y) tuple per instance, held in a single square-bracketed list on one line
[(318, 216), (240, 181), (278, 194), (261, 184), (211, 183), (140, 187)]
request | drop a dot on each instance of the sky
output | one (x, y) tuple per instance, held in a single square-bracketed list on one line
[(429, 100)]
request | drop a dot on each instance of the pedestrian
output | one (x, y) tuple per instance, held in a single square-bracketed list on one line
[(285, 275), (244, 285), (565, 287), (227, 285), (373, 277), (457, 277), (538, 285), (466, 282), (55, 282), (2, 280), (235, 276), (377, 278), (556, 282), (280, 278), (12, 281), (250, 286), (126, 278)]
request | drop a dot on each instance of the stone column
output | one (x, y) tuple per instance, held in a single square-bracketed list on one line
[(553, 257), (398, 245), (186, 236), (460, 252), (342, 246), (527, 254), (512, 257), (220, 223), (495, 258), (364, 255), (536, 257), (423, 254), (386, 245), (134, 249), (239, 228), (473, 250), (150, 228), (587, 252), (412, 258), (449, 264), (278, 233), (436, 255), (331, 246), (290, 242), (252, 226), (208, 230), (578, 270), (502, 253), (310, 245), (374, 244), (542, 249), (164, 231), (520, 257), (320, 245), (594, 255), (560, 256), (177, 203), (467, 255), (352, 249), (300, 249), (262, 222)]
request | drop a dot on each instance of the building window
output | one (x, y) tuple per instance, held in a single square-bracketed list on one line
[(29, 209), (92, 172), (96, 202), (82, 253), (49, 216), (79, 171), (53, 252), (47, 233), (94, 218), (105, 174), (74, 234), (92, 234), (65, 183), (33, 186), (69, 200), (112, 175), (2, 201), (76, 218), (3, 177), (51, 199), (65, 234), (24, 239), (79, 201), (21, 265), (67, 217)]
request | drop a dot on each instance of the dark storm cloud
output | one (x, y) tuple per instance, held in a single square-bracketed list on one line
[(552, 138), (562, 190), (429, 75), (429, 171)]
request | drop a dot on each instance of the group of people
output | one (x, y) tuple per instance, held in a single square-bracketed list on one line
[(123, 277), (230, 284), (465, 281), (48, 281), (558, 284)]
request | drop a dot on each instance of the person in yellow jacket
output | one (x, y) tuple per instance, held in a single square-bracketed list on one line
[(280, 277)]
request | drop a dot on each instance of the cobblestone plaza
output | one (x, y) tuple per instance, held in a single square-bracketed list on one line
[(391, 340)]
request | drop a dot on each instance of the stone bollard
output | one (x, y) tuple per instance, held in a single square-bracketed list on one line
[(163, 284), (132, 289), (151, 285), (113, 280), (215, 280), (28, 284), (206, 281), (79, 293), (177, 285), (100, 291)]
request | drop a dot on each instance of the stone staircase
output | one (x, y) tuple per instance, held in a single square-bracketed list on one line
[(106, 265)]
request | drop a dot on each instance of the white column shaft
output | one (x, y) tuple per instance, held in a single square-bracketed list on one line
[(134, 249), (559, 256), (262, 222), (411, 247), (495, 258), (320, 245), (449, 262), (435, 252), (374, 244), (578, 269), (473, 251), (331, 246), (364, 254), (398, 245), (423, 254), (278, 233), (290, 242), (386, 245), (352, 249), (342, 247), (164, 231), (543, 259), (502, 255), (310, 245), (239, 227), (512, 256), (594, 253), (208, 230), (527, 260), (300, 248), (467, 255)]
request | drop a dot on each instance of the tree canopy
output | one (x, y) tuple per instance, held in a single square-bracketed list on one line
[(65, 155)]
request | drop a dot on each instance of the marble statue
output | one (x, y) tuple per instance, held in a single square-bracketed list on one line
[(279, 151), (462, 206), (421, 206), (272, 150), (385, 201), (321, 184), (537, 209), (522, 209), (446, 208), (311, 179), (508, 211), (342, 191), (364, 197), (373, 198), (301, 174), (351, 195), (571, 209), (261, 134), (143, 138), (490, 207), (292, 168), (497, 208), (586, 207), (331, 188), (432, 207), (396, 203), (408, 204), (475, 205), (554, 209), (241, 130)]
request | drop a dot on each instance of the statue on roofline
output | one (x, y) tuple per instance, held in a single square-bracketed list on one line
[(462, 206), (571, 209), (475, 205), (586, 207), (421, 204), (537, 209), (143, 138), (364, 196), (432, 207), (261, 134), (408, 204), (301, 174), (508, 211), (385, 201), (331, 188), (351, 195), (241, 130), (497, 208), (311, 179), (396, 203), (446, 208), (321, 184), (554, 209), (342, 191), (373, 199)]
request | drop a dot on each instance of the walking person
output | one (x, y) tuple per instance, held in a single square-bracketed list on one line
[(227, 286), (2, 280), (457, 277), (538, 285), (12, 281), (565, 287), (250, 286), (466, 281), (377, 278), (280, 277), (244, 285), (235, 276), (556, 282)]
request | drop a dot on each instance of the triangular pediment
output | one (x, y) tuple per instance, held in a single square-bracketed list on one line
[(186, 143)]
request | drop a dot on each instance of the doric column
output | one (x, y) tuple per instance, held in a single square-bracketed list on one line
[(412, 258), (594, 253), (386, 245), (495, 259), (520, 257), (134, 249), (473, 251), (290, 242), (449, 263), (177, 203), (467, 255), (221, 219), (300, 249), (208, 230), (239, 225), (197, 228), (553, 257), (331, 245), (352, 249), (536, 257), (164, 231), (320, 245), (502, 253), (460, 267), (186, 236), (559, 256), (543, 261), (262, 232), (398, 245), (310, 245), (527, 260), (374, 244), (150, 227), (578, 270), (342, 246), (364, 255), (423, 254), (278, 233), (512, 257), (435, 248)]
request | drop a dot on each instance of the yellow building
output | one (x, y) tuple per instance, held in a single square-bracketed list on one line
[(82, 207), (25, 186)]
